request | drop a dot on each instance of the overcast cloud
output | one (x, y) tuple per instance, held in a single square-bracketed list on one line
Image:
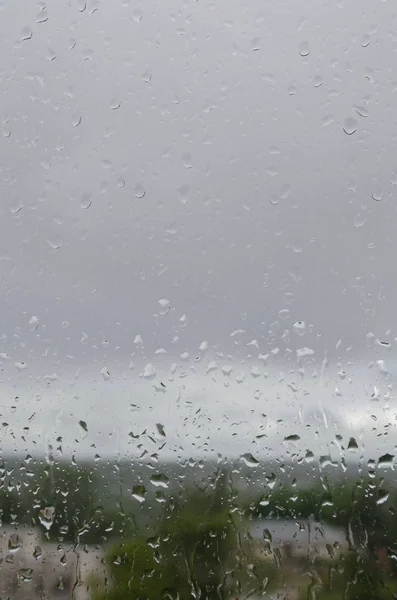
[(182, 183)]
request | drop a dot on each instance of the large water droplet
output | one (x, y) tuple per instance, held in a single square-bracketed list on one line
[(350, 126), (139, 191), (377, 194), (249, 460), (159, 480), (187, 161), (149, 371), (47, 516), (304, 49), (27, 34)]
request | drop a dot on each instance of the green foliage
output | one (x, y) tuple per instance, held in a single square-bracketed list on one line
[(190, 554)]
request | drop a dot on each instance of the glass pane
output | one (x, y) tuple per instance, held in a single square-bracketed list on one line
[(197, 340)]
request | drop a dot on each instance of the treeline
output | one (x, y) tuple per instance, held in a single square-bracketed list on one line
[(192, 540)]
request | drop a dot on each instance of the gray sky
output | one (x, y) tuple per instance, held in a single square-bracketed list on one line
[(180, 171)]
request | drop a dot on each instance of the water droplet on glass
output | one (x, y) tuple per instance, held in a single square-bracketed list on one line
[(14, 543), (147, 77), (365, 40), (115, 104), (249, 460), (42, 16), (83, 426), (47, 516), (352, 445), (105, 373), (386, 461), (86, 201), (137, 15), (274, 200), (317, 81), (164, 306), (139, 191), (377, 194), (159, 480), (383, 496), (361, 110), (76, 120), (294, 437), (350, 126), (304, 352), (187, 161), (256, 44), (300, 327), (139, 492), (149, 371), (183, 192), (27, 34), (20, 366), (304, 49), (33, 323), (16, 207), (292, 89)]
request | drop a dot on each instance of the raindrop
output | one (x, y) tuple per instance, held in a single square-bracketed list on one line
[(16, 207), (159, 480), (256, 44), (292, 89), (164, 306), (76, 120), (42, 16), (137, 15), (382, 344), (386, 461), (160, 429), (249, 460), (365, 40), (33, 323), (86, 201), (382, 367), (105, 373), (350, 126), (383, 496), (147, 77), (300, 327), (149, 371), (115, 104), (183, 192), (304, 49), (304, 352), (20, 366), (47, 516), (14, 543), (292, 438), (274, 200), (27, 34), (187, 161), (139, 492), (377, 194), (352, 445), (139, 191), (83, 426), (361, 110), (317, 81), (227, 369)]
